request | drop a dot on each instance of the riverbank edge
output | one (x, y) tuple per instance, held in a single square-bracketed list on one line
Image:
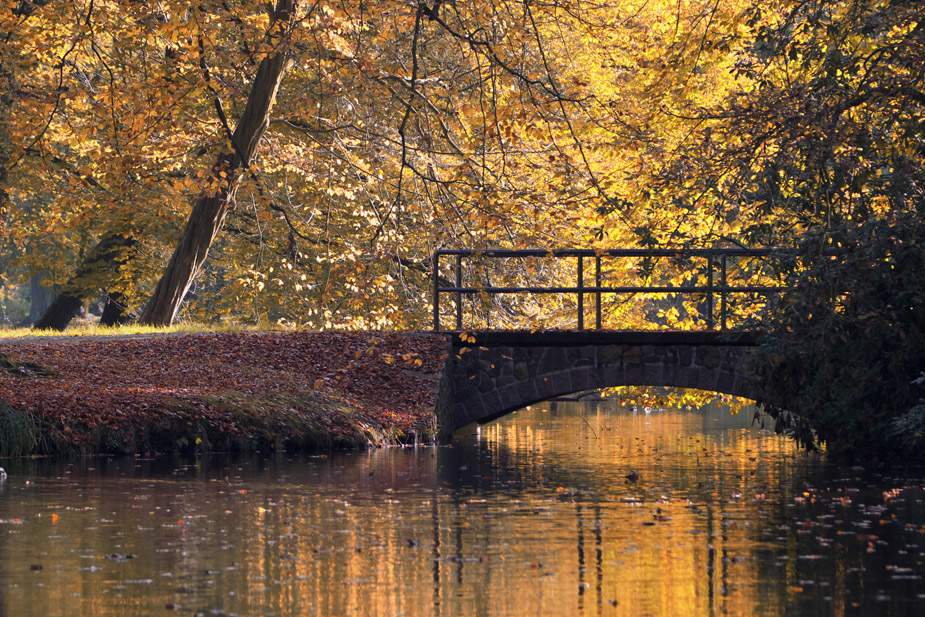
[(310, 420)]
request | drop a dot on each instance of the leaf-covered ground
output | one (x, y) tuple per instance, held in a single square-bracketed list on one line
[(218, 391)]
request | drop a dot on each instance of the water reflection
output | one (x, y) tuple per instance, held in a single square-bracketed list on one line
[(564, 509)]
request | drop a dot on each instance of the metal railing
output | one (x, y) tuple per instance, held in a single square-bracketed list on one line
[(716, 259)]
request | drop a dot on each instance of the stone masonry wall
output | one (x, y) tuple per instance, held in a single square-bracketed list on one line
[(487, 382)]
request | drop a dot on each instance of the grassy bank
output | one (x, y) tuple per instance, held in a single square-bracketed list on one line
[(229, 391)]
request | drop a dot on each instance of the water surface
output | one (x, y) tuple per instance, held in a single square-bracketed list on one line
[(563, 509)]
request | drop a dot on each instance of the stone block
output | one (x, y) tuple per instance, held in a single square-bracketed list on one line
[(652, 373), (613, 375), (520, 354), (607, 354), (521, 371), (526, 392), (709, 356), (553, 360), (685, 355), (732, 359), (495, 368), (725, 382), (670, 356), (706, 380), (545, 388), (561, 382), (466, 393), (485, 383), (505, 378), (632, 355), (670, 374), (492, 403), (689, 377), (633, 374), (582, 379), (745, 366), (463, 415), (510, 399), (652, 354)]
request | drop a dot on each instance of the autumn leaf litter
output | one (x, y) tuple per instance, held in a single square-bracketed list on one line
[(375, 386)]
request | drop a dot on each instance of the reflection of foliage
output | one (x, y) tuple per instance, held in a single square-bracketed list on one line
[(672, 398)]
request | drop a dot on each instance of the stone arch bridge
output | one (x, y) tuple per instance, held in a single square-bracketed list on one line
[(494, 373)]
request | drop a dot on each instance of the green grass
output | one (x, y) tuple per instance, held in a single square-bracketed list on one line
[(19, 432)]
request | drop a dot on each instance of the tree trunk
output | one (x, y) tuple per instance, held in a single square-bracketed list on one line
[(208, 214), (115, 313), (65, 308), (92, 275), (41, 298)]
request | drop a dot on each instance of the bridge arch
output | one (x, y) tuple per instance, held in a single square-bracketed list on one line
[(497, 373)]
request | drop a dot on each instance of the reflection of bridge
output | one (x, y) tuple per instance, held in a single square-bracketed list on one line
[(494, 373)]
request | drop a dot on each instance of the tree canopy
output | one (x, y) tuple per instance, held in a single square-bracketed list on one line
[(398, 128)]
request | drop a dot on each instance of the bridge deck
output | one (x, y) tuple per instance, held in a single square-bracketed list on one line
[(555, 338)]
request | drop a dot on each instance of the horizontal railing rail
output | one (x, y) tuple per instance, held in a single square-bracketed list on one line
[(712, 289)]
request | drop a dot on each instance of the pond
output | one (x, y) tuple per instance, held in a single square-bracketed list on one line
[(562, 509)]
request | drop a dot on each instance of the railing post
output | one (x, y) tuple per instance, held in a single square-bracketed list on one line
[(581, 293), (710, 291), (597, 294), (722, 297), (459, 298), (435, 264)]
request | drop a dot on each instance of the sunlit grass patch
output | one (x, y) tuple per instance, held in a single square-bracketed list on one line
[(84, 329)]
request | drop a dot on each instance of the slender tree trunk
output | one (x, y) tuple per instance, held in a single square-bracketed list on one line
[(5, 151), (92, 275), (208, 214)]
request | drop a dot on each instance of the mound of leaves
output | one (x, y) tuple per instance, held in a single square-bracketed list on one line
[(226, 391)]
